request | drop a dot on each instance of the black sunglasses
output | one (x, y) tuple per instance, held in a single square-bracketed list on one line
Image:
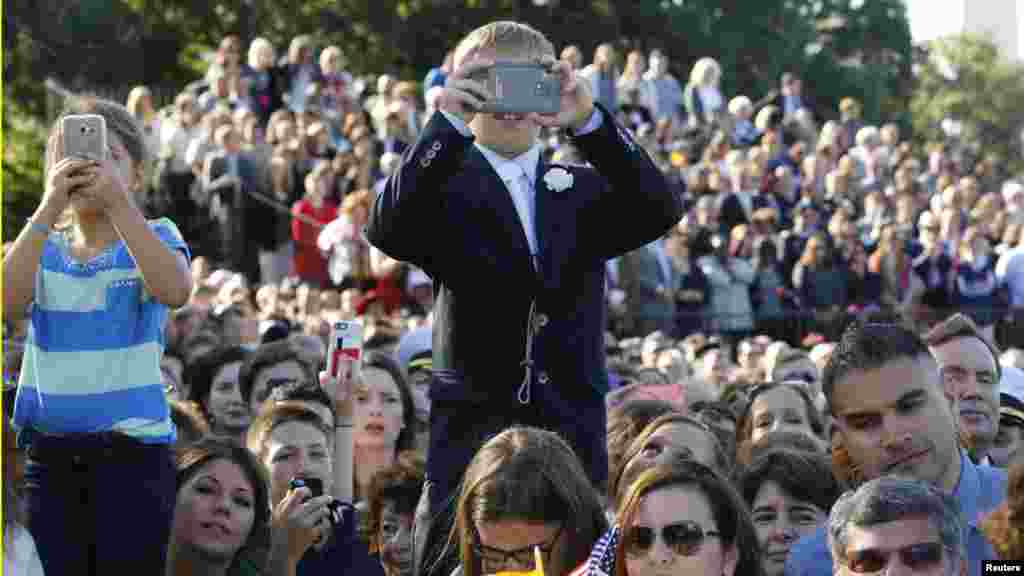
[(521, 557), (923, 556), (683, 538)]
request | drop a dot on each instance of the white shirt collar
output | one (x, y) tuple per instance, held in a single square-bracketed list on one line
[(508, 168)]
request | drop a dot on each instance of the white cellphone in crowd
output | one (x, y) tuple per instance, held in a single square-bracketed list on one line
[(84, 136), (346, 346)]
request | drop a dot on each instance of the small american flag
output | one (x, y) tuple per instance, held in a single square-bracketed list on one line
[(602, 557)]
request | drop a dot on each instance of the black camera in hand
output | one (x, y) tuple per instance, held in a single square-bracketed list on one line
[(316, 489)]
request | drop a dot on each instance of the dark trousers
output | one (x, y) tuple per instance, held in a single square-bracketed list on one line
[(459, 429), (99, 504)]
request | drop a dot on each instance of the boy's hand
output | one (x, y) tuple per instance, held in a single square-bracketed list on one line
[(577, 102), (463, 93)]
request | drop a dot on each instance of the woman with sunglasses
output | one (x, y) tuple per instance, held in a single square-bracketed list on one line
[(525, 489), (679, 518), (777, 406)]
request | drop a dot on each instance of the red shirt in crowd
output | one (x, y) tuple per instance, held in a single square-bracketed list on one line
[(310, 264)]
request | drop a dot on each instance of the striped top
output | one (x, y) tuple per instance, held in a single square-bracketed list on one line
[(92, 356)]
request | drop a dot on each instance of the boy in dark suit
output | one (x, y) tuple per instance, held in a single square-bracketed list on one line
[(516, 249)]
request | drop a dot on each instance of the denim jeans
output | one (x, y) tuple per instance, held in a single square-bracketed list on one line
[(99, 504)]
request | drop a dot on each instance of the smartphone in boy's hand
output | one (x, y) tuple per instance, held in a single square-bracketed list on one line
[(521, 88)]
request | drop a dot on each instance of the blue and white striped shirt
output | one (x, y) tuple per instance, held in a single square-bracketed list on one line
[(92, 357)]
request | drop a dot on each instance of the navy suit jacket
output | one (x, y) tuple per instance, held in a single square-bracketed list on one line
[(447, 211)]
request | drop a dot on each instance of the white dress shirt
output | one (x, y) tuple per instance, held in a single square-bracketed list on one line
[(520, 177)]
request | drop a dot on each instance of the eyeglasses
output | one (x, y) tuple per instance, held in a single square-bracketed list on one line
[(683, 538), (494, 559), (274, 384), (917, 557)]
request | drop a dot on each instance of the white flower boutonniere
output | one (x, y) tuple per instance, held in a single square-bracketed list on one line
[(558, 179)]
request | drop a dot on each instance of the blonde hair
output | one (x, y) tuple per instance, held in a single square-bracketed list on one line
[(739, 104), (261, 52), (299, 43), (134, 101), (331, 52), (764, 117), (314, 176), (867, 135), (508, 39), (701, 68)]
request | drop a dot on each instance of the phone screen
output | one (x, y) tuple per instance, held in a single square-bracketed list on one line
[(346, 347)]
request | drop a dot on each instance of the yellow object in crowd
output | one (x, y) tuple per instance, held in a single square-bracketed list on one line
[(677, 158)]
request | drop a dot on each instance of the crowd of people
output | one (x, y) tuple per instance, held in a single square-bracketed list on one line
[(817, 369)]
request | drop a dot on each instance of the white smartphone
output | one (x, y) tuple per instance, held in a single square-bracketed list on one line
[(346, 347), (84, 136)]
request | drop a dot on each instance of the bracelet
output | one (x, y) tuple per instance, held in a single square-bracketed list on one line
[(36, 226)]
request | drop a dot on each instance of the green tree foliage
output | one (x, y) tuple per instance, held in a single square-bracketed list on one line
[(857, 48), (965, 79)]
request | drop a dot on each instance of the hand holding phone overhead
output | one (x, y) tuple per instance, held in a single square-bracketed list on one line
[(344, 358)]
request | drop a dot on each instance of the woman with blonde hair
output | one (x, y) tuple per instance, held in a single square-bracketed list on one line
[(702, 96), (140, 105), (744, 133), (335, 82), (264, 81), (300, 71), (345, 245)]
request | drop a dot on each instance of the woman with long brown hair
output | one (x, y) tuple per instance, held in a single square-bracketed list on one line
[(679, 518), (219, 512), (525, 489)]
